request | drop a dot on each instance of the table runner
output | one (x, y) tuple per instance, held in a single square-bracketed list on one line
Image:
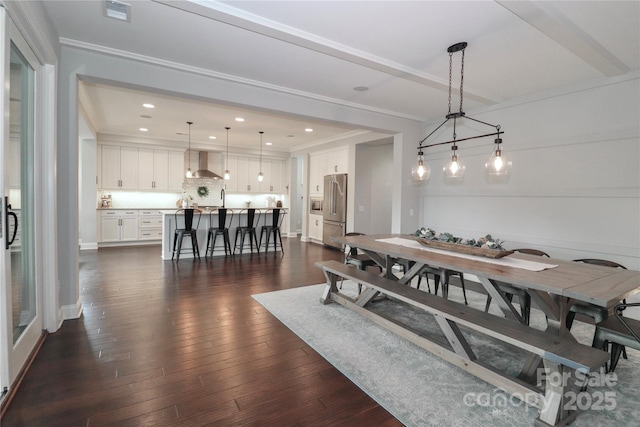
[(505, 261)]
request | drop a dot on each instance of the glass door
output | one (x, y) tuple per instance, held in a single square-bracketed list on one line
[(21, 321)]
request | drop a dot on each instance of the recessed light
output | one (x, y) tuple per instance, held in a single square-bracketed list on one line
[(308, 130), (147, 105), (212, 137), (269, 143), (143, 130), (239, 119), (361, 88)]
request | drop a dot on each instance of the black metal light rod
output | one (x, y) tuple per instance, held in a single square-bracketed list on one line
[(498, 133)]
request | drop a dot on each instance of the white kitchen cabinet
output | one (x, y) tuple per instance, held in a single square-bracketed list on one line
[(273, 172), (153, 169), (317, 167), (149, 225), (315, 227), (327, 163), (119, 167), (176, 171), (337, 161), (118, 225), (248, 168)]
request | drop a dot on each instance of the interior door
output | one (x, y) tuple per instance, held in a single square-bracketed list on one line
[(20, 319)]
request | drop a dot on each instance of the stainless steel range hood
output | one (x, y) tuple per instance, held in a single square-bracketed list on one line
[(203, 167)]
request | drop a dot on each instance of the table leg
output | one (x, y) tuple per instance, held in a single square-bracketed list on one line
[(553, 412), (503, 302)]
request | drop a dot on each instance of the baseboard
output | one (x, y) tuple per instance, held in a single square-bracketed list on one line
[(72, 311), (88, 246)]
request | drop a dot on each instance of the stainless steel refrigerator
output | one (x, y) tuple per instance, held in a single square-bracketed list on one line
[(334, 214)]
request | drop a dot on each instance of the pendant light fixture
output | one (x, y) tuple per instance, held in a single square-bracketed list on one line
[(227, 175), (189, 174), (260, 175), (497, 163)]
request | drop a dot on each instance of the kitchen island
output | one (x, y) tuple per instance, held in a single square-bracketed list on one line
[(207, 218)]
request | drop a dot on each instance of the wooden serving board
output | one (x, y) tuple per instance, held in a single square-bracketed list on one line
[(465, 249)]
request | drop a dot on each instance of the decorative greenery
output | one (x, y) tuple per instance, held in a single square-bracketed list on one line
[(203, 191), (486, 242)]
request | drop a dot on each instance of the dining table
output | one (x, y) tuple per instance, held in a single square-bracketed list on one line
[(553, 284)]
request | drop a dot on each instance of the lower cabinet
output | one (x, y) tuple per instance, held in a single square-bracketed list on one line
[(149, 225), (119, 225), (315, 227)]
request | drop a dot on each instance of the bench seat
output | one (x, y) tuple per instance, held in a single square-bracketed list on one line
[(547, 345)]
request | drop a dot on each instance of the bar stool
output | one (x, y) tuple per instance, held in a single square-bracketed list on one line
[(188, 216), (253, 218), (225, 216), (277, 216)]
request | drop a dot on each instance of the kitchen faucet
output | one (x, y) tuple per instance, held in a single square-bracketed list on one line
[(222, 196)]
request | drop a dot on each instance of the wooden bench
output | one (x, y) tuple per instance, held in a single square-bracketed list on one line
[(556, 352)]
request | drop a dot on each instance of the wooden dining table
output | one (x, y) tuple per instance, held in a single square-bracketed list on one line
[(553, 284)]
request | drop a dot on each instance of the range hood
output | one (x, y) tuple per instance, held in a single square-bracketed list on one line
[(203, 165)]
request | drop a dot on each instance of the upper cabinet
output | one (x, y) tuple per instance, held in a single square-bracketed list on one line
[(244, 175), (119, 166), (129, 168), (326, 163)]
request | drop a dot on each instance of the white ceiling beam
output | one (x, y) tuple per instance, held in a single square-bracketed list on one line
[(556, 26), (237, 17)]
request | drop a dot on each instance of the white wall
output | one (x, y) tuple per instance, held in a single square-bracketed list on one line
[(373, 188), (574, 190), (87, 193)]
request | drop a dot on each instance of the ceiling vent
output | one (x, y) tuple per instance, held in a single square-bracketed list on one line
[(117, 10)]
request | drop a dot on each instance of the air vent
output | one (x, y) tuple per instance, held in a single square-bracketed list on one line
[(117, 10)]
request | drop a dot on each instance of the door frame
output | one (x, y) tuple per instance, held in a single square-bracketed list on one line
[(13, 358)]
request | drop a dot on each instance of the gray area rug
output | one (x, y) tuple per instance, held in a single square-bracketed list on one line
[(420, 389)]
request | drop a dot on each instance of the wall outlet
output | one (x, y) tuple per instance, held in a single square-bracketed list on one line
[(360, 208)]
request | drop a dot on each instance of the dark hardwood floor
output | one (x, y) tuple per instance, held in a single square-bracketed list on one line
[(184, 344)]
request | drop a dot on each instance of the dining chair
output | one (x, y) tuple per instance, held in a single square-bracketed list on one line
[(620, 331), (277, 217), (252, 216), (597, 313), (441, 275), (188, 217), (524, 299), (357, 259), (222, 217)]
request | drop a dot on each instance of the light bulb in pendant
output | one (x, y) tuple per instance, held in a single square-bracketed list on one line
[(498, 164), (421, 171), (455, 168)]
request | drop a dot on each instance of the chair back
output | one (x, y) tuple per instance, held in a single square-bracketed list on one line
[(619, 309), (190, 215), (225, 216), (532, 252), (253, 217), (348, 250), (277, 216), (602, 262)]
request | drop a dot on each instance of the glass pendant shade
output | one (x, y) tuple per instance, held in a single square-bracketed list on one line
[(455, 168), (189, 174), (421, 171), (227, 174), (498, 164), (260, 175)]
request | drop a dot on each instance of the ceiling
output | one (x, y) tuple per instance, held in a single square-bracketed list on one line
[(325, 49)]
